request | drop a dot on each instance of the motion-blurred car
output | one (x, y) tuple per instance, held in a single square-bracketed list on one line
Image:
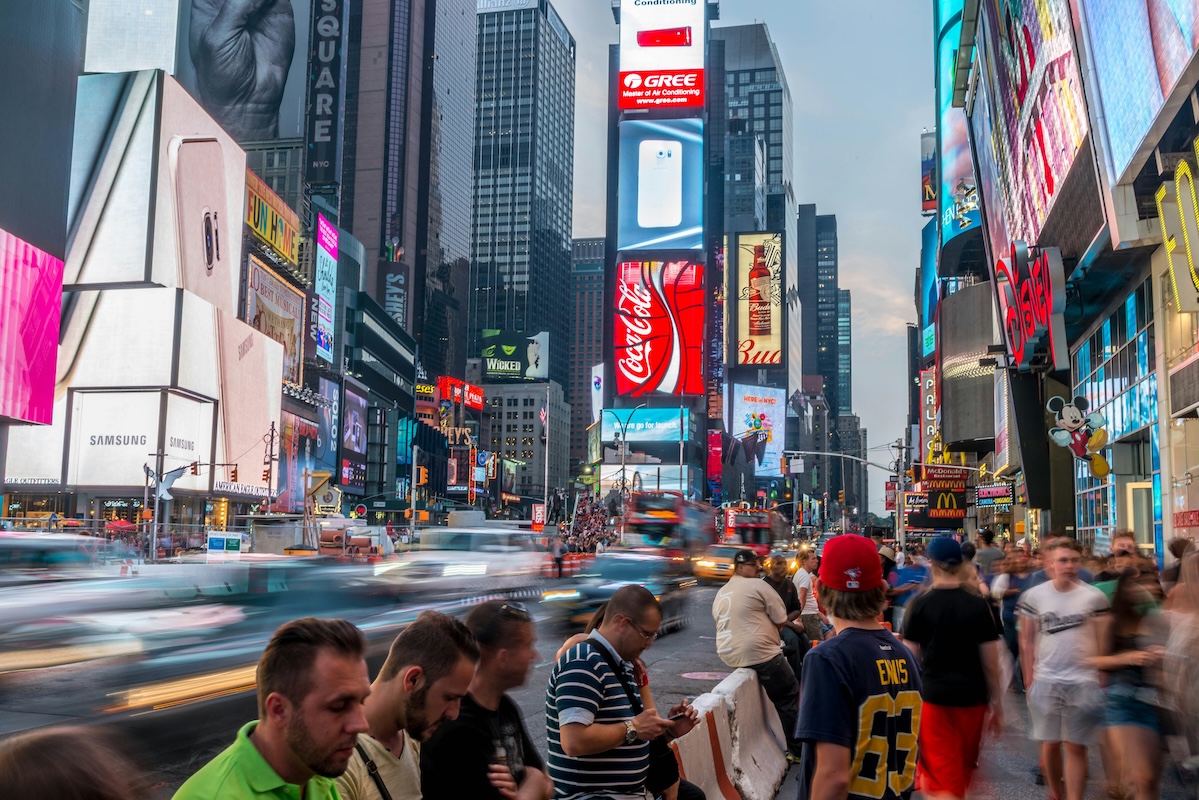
[(574, 601), (716, 562)]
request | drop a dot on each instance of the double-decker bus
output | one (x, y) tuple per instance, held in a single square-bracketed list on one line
[(670, 521), (756, 527)]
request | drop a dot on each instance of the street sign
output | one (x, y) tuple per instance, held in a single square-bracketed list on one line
[(892, 486), (797, 466), (360, 510), (539, 516)]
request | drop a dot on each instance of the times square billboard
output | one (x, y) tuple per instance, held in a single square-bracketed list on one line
[(663, 46), (658, 328)]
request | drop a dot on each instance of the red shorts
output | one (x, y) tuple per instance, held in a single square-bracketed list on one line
[(949, 743)]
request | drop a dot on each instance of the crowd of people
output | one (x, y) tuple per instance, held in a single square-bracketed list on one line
[(1105, 648)]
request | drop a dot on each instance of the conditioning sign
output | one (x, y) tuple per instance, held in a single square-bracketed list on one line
[(759, 299), (662, 45), (658, 328)]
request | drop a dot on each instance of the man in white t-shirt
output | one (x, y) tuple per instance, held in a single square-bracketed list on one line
[(805, 578), (749, 616), (1059, 632)]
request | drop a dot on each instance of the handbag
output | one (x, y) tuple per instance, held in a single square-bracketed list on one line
[(663, 768)]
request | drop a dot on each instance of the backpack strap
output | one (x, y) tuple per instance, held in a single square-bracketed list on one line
[(373, 770)]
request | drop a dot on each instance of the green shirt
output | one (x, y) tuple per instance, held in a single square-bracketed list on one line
[(240, 772)]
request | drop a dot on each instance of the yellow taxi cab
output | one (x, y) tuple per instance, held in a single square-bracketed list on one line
[(716, 562)]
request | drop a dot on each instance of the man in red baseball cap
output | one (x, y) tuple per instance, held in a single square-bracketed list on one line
[(859, 710)]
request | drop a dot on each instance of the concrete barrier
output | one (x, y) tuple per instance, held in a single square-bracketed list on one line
[(705, 753), (759, 748)]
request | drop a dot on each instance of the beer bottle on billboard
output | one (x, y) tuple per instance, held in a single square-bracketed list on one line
[(759, 294)]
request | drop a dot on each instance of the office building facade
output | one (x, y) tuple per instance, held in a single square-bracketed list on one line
[(844, 353), (587, 338), (518, 434), (523, 177)]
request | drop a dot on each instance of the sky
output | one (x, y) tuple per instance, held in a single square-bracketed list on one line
[(861, 79)]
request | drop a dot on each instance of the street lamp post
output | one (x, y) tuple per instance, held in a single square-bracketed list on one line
[(619, 438)]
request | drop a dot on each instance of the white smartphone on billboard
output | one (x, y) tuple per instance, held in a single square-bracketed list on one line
[(205, 269), (660, 183)]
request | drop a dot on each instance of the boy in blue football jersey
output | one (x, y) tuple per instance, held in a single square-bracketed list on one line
[(859, 710)]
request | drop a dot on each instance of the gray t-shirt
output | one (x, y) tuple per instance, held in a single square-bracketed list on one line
[(1065, 640), (988, 556)]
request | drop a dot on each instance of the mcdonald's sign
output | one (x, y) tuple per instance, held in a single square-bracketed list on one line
[(946, 505)]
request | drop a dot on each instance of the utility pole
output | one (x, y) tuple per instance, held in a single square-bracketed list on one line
[(270, 465), (153, 554), (412, 500), (547, 452), (901, 484)]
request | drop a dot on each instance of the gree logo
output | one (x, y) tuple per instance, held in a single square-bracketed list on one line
[(632, 81)]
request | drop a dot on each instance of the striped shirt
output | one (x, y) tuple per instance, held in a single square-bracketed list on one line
[(583, 689)]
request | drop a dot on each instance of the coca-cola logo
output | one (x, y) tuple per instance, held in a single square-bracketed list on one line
[(635, 318)]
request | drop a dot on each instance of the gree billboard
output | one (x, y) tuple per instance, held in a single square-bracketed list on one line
[(658, 328), (662, 45), (760, 299)]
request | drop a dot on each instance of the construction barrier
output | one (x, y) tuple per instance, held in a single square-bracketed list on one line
[(759, 747), (705, 753)]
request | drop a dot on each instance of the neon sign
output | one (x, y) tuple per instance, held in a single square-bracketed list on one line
[(1032, 299), (1188, 221)]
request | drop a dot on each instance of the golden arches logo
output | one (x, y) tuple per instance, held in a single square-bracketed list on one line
[(947, 500)]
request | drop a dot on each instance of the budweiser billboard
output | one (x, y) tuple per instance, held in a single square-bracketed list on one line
[(658, 328), (760, 299)]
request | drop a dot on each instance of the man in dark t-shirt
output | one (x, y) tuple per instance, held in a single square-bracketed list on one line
[(953, 634), (859, 710), (795, 640), (486, 752)]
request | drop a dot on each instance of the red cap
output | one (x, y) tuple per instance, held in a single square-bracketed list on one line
[(851, 564)]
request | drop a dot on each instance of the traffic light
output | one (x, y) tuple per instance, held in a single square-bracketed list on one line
[(422, 476), (841, 497), (233, 474), (266, 476), (195, 468), (774, 490)]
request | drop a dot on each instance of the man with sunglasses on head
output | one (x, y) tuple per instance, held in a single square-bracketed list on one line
[(597, 730), (486, 752), (427, 673)]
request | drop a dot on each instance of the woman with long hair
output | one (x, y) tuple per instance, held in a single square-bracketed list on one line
[(1131, 649)]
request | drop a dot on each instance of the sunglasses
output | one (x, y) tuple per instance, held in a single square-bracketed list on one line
[(515, 611)]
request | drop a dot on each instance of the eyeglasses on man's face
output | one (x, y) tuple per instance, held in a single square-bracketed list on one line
[(649, 637)]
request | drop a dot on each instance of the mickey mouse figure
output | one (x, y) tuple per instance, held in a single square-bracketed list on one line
[(1080, 432)]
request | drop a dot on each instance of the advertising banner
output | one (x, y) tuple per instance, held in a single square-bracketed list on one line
[(460, 392), (759, 422), (658, 328), (643, 477), (891, 489), (458, 469), (298, 439), (645, 424), (930, 288), (986, 149), (395, 287), (223, 54), (928, 174), (1038, 111), (717, 344), (662, 54), (271, 219), (928, 409), (716, 465), (250, 371), (661, 185), (326, 286), (515, 355), (276, 308), (1140, 50), (30, 303), (328, 427), (353, 441), (325, 92), (760, 299), (957, 196), (597, 392), (996, 496), (112, 436)]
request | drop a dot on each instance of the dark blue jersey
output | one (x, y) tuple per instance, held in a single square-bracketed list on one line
[(861, 690)]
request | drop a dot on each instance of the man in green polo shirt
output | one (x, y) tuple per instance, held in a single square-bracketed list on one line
[(312, 683)]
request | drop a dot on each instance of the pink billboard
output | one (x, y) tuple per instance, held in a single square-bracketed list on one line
[(30, 304)]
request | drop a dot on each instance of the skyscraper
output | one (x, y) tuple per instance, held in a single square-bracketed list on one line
[(819, 299), (407, 164), (587, 337), (523, 181), (844, 354)]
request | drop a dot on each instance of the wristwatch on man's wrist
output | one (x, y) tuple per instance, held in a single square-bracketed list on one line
[(630, 733)]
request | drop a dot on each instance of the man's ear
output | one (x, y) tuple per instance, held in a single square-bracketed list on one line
[(278, 710), (412, 678)]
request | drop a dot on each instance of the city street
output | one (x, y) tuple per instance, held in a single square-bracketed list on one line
[(684, 664)]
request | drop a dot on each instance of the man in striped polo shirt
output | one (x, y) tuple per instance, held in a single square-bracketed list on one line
[(598, 744)]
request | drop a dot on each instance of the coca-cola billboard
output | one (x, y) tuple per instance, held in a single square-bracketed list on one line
[(658, 328), (759, 299)]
